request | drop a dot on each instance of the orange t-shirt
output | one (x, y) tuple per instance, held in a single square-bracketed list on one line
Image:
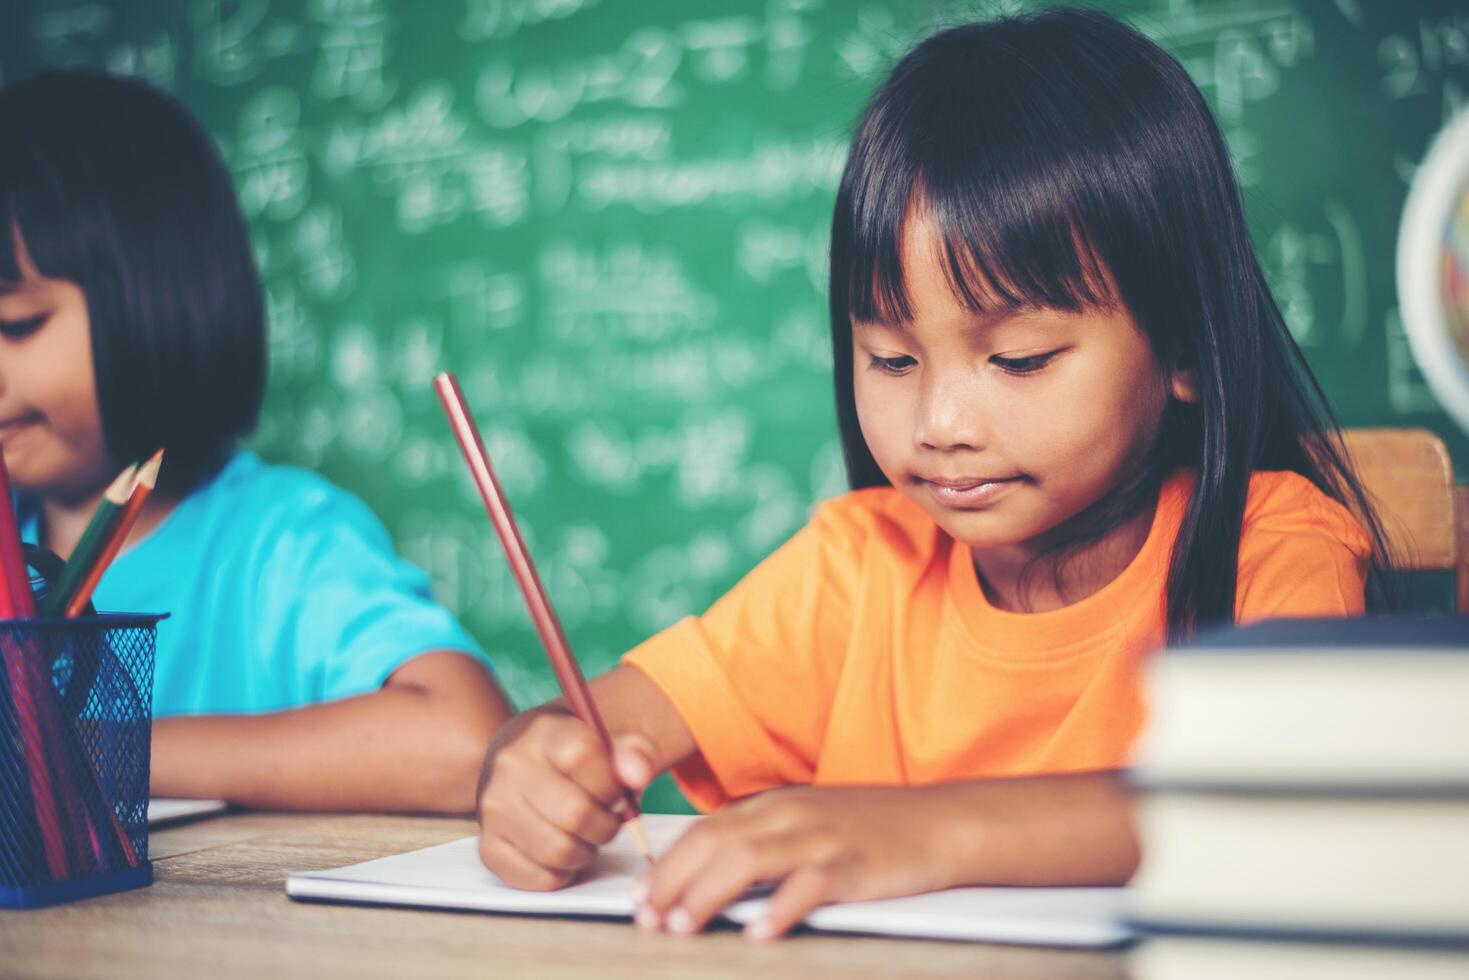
[(864, 650)]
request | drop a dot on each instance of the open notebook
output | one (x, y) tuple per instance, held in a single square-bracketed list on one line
[(162, 811), (450, 876)]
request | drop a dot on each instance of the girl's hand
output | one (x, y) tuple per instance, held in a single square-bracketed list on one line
[(822, 844), (551, 796)]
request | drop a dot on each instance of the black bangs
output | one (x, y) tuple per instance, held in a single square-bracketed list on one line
[(1017, 260), (1032, 145), (16, 182), (36, 215), (11, 178), (1020, 165), (9, 261)]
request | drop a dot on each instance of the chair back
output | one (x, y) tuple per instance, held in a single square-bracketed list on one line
[(1410, 481)]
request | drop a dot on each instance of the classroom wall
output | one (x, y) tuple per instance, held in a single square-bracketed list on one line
[(610, 218)]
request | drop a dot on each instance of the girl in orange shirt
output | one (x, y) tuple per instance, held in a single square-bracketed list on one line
[(1075, 426)]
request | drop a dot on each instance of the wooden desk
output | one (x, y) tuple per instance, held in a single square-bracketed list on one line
[(219, 909)]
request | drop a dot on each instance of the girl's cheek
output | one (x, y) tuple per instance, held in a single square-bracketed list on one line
[(73, 427), (887, 427), (78, 409)]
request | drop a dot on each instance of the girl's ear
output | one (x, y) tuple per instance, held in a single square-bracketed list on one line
[(1183, 385)]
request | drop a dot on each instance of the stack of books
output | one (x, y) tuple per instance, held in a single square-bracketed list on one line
[(1304, 803)]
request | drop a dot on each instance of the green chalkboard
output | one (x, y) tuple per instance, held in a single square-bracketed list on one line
[(610, 218)]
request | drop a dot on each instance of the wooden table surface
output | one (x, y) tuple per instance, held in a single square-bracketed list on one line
[(218, 909)]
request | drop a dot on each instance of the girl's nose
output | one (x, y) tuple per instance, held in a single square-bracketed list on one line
[(949, 417)]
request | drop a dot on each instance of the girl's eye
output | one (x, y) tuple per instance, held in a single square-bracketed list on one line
[(892, 365), (20, 329), (1023, 365)]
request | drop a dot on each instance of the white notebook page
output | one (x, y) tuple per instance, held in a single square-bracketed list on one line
[(451, 876)]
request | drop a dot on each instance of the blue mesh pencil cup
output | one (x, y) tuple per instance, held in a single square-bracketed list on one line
[(75, 736)]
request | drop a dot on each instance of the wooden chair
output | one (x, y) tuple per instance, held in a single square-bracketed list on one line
[(1410, 480)]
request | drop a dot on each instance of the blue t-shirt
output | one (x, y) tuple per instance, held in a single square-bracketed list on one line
[(282, 589)]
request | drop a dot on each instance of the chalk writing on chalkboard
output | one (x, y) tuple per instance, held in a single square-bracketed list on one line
[(611, 220)]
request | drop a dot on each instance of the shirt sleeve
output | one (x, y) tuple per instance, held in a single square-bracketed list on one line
[(753, 677), (340, 608), (1301, 555)]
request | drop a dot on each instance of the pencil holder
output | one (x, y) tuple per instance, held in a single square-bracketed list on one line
[(75, 733)]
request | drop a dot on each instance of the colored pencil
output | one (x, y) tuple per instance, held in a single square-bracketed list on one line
[(22, 850), (142, 487), (19, 603), (33, 745), (66, 813), (84, 555), (567, 670)]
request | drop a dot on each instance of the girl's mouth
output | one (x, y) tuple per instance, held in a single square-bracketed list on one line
[(969, 493), (10, 427)]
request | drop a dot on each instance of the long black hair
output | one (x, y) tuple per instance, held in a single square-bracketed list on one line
[(1064, 158), (109, 183)]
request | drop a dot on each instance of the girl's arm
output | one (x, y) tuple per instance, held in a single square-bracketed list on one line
[(414, 745), (548, 790), (853, 843)]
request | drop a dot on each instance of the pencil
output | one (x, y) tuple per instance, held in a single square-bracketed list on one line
[(567, 670), (42, 725), (16, 599), (115, 528), (127, 516), (84, 555), (137, 497), (17, 602)]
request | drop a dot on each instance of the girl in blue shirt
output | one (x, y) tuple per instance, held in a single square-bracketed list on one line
[(304, 665)]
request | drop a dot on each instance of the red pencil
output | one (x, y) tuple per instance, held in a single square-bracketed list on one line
[(568, 671), (17, 602)]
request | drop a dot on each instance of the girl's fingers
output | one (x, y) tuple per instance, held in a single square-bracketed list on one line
[(514, 868), (543, 843), (669, 878), (569, 807), (795, 899), (580, 756), (632, 760), (730, 868)]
